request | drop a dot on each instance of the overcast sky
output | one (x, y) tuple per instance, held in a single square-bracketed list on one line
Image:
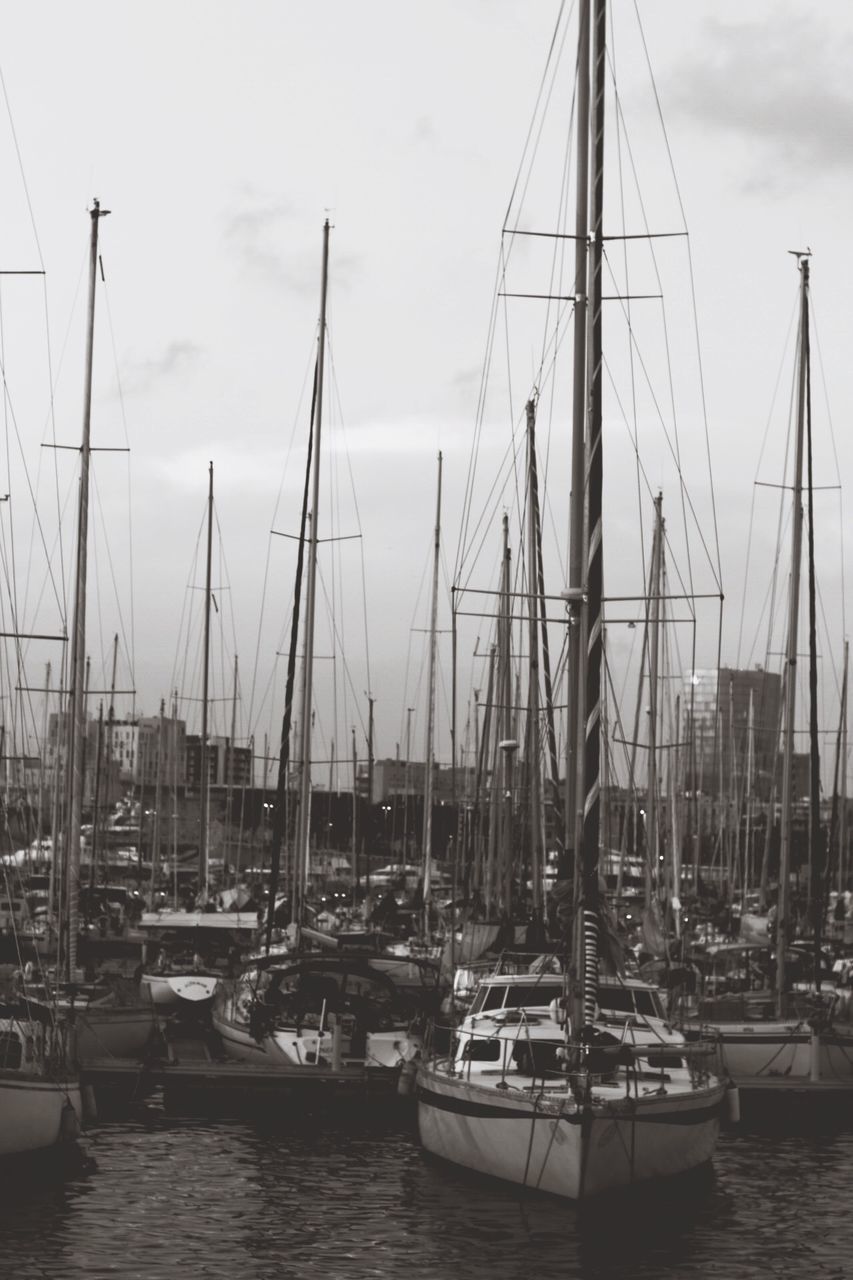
[(220, 136)]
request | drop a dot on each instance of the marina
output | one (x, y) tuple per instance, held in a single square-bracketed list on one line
[(426, 847)]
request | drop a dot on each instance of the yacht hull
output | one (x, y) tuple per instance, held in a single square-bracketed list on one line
[(32, 1112), (781, 1049), (549, 1143)]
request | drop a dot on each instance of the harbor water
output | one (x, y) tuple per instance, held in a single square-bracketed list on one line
[(153, 1195)]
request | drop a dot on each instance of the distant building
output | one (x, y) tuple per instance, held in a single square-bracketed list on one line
[(226, 765), (146, 749), (22, 773), (398, 778), (716, 711), (131, 751)]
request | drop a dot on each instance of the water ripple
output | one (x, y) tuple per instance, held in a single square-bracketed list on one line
[(156, 1197)]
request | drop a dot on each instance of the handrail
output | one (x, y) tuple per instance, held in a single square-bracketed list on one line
[(701, 1058)]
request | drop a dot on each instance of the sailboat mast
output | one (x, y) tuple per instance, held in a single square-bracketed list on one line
[(577, 533), (204, 784), (533, 690), (816, 835), (791, 649), (652, 816), (430, 732), (842, 823), (42, 754), (78, 635), (108, 772), (229, 768), (303, 844), (595, 558)]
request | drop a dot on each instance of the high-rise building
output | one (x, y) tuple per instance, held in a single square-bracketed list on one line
[(717, 704), (226, 765)]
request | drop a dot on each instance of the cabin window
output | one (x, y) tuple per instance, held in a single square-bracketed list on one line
[(616, 999), (664, 1061), (648, 1004), (481, 1051), (517, 996), (10, 1051)]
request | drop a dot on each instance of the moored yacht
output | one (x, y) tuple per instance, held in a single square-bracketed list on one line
[(517, 1097), (316, 1011), (40, 1102)]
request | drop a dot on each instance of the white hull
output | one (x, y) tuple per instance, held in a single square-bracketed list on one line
[(31, 1112), (169, 990), (543, 1141), (781, 1049)]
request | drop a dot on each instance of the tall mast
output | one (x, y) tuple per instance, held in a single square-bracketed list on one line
[(78, 636), (816, 835), (791, 648), (96, 798), (302, 853), (842, 825), (595, 559), (369, 825), (407, 784), (533, 692), (354, 816), (281, 825), (574, 738), (506, 744), (652, 816), (204, 784), (748, 870), (42, 753), (229, 762), (430, 730), (175, 800), (108, 772), (158, 801)]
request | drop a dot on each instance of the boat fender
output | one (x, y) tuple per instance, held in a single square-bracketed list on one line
[(732, 1104), (90, 1106), (406, 1079), (69, 1124)]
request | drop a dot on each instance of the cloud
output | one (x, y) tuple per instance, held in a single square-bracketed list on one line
[(779, 85), (423, 131), (257, 233), (141, 375)]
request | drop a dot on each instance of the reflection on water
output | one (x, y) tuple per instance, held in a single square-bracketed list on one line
[(156, 1196)]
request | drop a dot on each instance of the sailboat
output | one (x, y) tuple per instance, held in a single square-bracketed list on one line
[(770, 1039), (584, 1112), (333, 1013), (40, 1100), (108, 1020), (171, 979)]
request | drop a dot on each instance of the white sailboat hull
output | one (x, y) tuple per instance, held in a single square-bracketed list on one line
[(31, 1112), (782, 1049), (546, 1143)]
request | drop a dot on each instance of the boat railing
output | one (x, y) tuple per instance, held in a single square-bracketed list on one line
[(504, 1061), (761, 1006)]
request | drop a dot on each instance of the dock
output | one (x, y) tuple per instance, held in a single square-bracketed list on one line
[(192, 1079), (788, 1101)]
